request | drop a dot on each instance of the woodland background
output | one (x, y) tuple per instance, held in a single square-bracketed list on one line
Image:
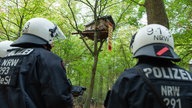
[(90, 63)]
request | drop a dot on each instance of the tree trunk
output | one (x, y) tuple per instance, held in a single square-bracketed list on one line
[(156, 12), (94, 68), (100, 91)]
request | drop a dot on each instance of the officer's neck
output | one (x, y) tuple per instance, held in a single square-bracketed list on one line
[(154, 60)]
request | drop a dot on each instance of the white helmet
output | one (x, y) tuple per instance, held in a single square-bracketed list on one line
[(38, 31), (153, 40), (4, 46)]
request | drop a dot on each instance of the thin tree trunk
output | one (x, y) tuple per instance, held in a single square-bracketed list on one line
[(94, 68), (100, 91), (156, 12)]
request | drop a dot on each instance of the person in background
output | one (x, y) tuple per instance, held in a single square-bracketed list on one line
[(155, 81), (4, 46), (31, 76)]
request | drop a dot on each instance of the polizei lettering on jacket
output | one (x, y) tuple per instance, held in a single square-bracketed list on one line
[(20, 52), (167, 73)]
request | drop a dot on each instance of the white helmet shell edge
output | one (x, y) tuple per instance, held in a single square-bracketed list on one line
[(4, 46), (39, 31)]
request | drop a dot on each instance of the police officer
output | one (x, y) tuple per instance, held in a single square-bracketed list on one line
[(4, 46), (155, 81), (32, 76)]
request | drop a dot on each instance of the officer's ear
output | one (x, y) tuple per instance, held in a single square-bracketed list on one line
[(47, 47)]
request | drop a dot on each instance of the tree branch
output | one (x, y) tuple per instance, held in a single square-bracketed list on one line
[(138, 3), (87, 4), (6, 32), (121, 15), (73, 15), (76, 26), (101, 44)]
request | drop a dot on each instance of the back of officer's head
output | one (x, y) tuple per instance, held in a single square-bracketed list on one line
[(4, 47), (38, 32), (153, 41)]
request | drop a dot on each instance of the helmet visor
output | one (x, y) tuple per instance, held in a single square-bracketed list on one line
[(59, 34)]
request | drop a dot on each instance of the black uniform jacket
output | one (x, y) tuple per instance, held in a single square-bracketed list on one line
[(172, 83), (33, 78)]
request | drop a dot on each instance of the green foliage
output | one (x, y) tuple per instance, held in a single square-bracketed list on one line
[(15, 13), (180, 18)]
